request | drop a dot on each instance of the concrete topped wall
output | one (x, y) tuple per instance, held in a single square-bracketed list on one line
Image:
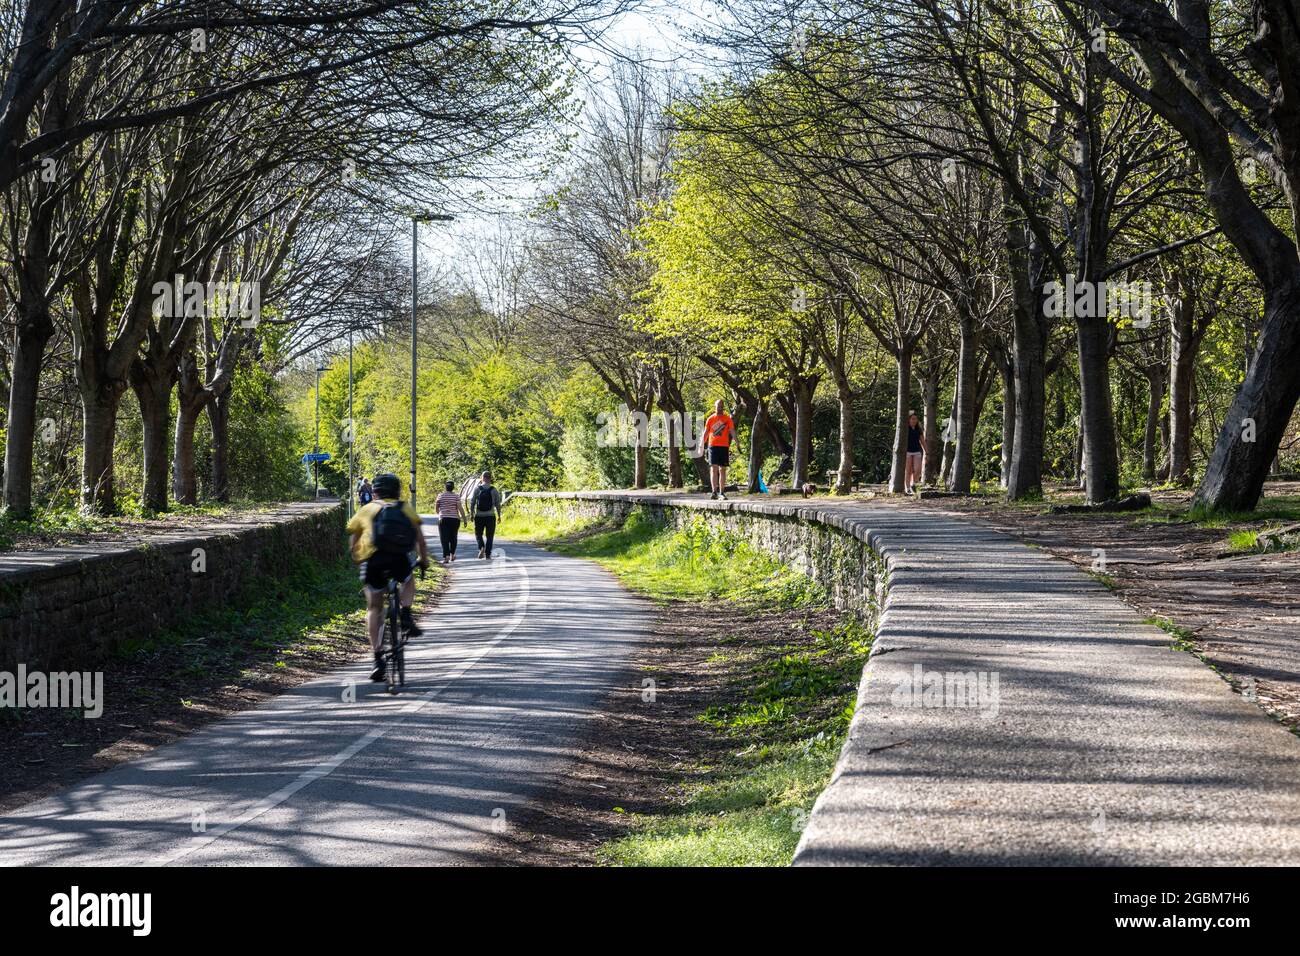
[(68, 607)]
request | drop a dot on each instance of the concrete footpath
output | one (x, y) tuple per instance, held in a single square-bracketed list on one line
[(518, 652), (1101, 745)]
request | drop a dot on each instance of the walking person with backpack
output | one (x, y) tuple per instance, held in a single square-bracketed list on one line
[(365, 493), (384, 534), (450, 514), (486, 508)]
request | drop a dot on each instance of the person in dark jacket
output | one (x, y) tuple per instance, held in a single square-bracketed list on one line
[(915, 454), (486, 507)]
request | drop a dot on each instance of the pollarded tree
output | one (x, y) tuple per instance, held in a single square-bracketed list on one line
[(719, 283), (586, 269), (1225, 77), (358, 47)]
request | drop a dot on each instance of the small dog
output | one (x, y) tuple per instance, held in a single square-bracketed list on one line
[(809, 489)]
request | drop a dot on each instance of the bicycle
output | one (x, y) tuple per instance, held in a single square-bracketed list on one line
[(393, 643)]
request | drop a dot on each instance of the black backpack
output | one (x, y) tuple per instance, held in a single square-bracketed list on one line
[(393, 533), (482, 506)]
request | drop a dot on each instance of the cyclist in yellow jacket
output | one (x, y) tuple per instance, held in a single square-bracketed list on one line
[(385, 533)]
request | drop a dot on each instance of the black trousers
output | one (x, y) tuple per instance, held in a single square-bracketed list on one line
[(448, 528), (485, 526)]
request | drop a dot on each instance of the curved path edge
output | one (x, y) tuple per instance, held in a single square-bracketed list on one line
[(1013, 711), (513, 663)]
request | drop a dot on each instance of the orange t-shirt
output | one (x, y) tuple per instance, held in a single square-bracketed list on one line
[(720, 429)]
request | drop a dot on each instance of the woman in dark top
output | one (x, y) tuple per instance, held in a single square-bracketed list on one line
[(915, 454)]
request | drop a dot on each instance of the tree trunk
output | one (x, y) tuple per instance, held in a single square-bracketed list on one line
[(1080, 453), (219, 421), (1257, 419), (640, 467), (154, 419), (1155, 401), (153, 392), (674, 450), (1027, 264), (1182, 367), (1101, 456), (930, 431), (641, 454), (902, 406), (1162, 473), (756, 445), (701, 466), (185, 483), (1025, 476), (673, 402), (963, 466), (945, 468), (782, 445), (844, 476), (33, 334), (191, 398), (1008, 423), (803, 392), (99, 433)]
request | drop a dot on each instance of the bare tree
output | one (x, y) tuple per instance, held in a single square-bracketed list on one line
[(587, 275)]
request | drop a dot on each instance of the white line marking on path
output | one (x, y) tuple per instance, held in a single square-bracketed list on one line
[(326, 767)]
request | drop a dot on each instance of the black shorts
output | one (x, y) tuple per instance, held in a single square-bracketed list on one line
[(719, 455), (378, 569)]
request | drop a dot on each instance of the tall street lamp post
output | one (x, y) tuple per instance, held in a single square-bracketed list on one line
[(352, 430)]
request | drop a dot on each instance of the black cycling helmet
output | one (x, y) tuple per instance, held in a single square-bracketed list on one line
[(387, 486)]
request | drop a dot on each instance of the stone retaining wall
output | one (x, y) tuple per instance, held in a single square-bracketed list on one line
[(66, 608), (836, 553)]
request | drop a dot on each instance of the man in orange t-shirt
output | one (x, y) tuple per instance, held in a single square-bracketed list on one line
[(719, 430)]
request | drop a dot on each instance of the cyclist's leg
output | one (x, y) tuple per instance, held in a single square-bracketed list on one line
[(404, 573), (375, 611), (374, 617), (371, 577)]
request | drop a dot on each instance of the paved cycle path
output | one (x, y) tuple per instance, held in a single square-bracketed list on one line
[(517, 653)]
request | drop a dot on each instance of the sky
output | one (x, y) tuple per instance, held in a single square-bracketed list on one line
[(656, 33)]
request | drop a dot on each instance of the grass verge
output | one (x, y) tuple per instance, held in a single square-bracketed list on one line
[(51, 527), (786, 726), (764, 745), (315, 609)]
